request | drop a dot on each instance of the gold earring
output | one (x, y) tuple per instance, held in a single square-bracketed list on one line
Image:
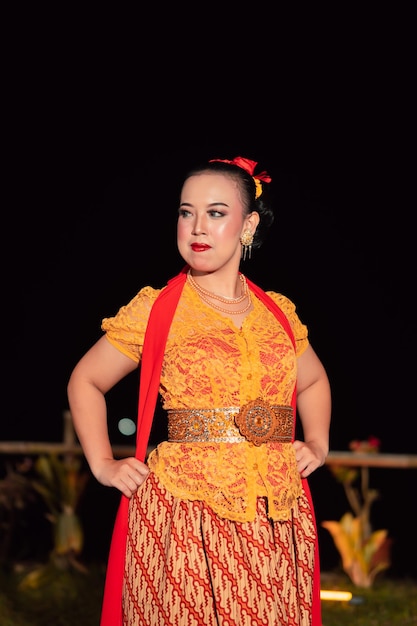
[(246, 239)]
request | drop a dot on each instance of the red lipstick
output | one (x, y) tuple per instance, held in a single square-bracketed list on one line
[(199, 247)]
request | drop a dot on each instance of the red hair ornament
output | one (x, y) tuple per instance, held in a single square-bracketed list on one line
[(249, 167)]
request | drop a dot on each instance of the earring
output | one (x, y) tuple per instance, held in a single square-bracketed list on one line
[(246, 239)]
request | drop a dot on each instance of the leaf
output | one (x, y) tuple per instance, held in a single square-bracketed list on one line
[(343, 542), (69, 535)]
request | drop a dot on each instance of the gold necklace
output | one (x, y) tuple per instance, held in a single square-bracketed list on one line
[(223, 299), (205, 295)]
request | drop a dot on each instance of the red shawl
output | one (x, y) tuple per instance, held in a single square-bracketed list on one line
[(156, 335)]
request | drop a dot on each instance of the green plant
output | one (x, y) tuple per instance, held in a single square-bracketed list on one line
[(364, 552), (60, 483), (16, 494)]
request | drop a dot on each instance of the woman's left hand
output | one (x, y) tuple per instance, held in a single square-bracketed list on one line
[(309, 457)]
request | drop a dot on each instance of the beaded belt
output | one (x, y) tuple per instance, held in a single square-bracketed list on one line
[(257, 422)]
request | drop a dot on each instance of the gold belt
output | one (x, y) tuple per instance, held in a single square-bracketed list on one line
[(256, 421)]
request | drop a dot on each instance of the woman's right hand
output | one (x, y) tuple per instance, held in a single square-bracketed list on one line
[(126, 475), (94, 375)]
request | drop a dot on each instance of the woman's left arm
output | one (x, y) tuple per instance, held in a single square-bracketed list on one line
[(314, 410)]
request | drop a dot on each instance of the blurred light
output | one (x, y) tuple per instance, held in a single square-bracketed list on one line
[(127, 426), (344, 596)]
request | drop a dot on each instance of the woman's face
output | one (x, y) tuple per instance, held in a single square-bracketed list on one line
[(210, 222)]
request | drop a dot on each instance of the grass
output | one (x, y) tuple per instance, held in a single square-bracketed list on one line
[(388, 602), (67, 597), (51, 596)]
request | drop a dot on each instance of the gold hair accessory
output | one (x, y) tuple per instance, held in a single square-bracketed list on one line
[(258, 185), (246, 240)]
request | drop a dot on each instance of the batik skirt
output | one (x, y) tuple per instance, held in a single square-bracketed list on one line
[(186, 566)]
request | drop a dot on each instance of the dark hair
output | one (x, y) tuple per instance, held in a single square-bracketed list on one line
[(247, 189)]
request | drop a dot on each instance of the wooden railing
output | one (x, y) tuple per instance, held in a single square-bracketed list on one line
[(70, 446), (379, 459), (399, 461)]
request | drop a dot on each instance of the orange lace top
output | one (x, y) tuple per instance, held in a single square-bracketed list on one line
[(209, 362)]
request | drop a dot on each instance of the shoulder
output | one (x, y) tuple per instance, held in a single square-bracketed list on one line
[(289, 309), (282, 301), (145, 297), (126, 329), (136, 311)]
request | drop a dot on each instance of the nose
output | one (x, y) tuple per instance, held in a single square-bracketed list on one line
[(199, 227)]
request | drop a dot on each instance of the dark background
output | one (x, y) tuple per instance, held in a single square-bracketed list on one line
[(99, 130)]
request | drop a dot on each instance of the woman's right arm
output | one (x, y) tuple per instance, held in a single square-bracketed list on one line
[(100, 369)]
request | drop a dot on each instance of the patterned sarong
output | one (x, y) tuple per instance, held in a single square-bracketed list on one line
[(185, 566)]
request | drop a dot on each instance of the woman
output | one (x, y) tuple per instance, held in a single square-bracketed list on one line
[(216, 526)]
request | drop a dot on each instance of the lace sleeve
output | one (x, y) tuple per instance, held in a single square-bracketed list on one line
[(126, 330), (299, 329)]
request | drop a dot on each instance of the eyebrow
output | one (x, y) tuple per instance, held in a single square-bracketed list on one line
[(213, 204)]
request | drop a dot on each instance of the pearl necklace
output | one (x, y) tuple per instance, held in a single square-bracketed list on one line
[(205, 295), (223, 299)]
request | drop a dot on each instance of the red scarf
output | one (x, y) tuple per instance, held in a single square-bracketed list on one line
[(156, 335)]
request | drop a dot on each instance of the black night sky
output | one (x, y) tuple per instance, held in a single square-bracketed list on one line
[(92, 219), (98, 136)]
